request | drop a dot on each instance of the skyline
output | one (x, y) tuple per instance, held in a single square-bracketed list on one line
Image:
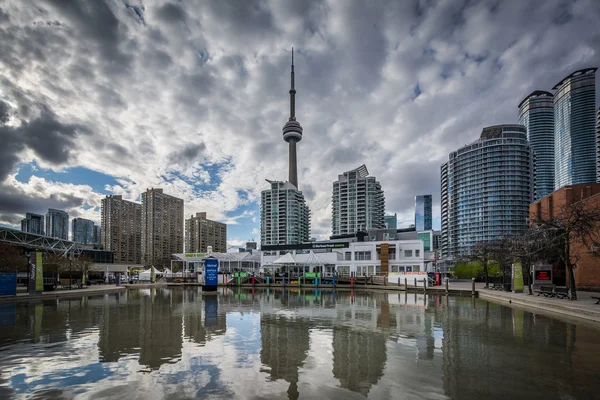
[(92, 97)]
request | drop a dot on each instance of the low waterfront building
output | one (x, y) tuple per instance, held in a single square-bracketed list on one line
[(587, 273), (347, 257)]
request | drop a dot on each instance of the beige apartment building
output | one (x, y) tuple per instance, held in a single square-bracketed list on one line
[(201, 233), (122, 229), (162, 227)]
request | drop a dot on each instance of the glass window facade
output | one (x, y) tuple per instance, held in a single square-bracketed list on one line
[(284, 215), (423, 214), (574, 124), (536, 113), (487, 187)]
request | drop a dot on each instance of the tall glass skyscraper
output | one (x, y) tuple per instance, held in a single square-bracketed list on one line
[(423, 217), (536, 113), (487, 187), (83, 230), (574, 125), (57, 224)]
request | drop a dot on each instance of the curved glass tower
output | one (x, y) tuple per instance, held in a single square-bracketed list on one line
[(536, 113), (489, 186), (574, 124)]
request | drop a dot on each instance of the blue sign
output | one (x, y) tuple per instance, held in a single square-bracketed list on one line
[(8, 283), (211, 272)]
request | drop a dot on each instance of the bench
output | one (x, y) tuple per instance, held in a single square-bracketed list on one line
[(546, 291), (596, 298), (561, 293)]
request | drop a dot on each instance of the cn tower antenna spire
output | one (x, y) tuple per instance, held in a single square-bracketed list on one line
[(292, 131), (292, 93)]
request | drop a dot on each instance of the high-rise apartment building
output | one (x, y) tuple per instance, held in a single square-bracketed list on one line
[(201, 233), (391, 221), (358, 203), (423, 212), (162, 227), (33, 223), (487, 187), (121, 230), (83, 230), (57, 224), (284, 215), (536, 113), (575, 129)]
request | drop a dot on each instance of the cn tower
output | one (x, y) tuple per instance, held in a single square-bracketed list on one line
[(292, 131)]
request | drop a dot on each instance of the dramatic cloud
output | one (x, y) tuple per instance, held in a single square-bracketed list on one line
[(192, 96)]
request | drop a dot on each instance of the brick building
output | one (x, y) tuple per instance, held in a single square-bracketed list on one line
[(587, 272)]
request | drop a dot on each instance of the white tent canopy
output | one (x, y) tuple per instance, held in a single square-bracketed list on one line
[(287, 258)]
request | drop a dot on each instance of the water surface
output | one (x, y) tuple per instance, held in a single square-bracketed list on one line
[(178, 344)]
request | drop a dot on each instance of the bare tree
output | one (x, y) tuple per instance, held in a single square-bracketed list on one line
[(575, 230), (531, 246), (83, 264), (55, 262), (482, 253), (12, 258)]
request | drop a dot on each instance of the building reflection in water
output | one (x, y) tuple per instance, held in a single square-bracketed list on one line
[(376, 344), (285, 342)]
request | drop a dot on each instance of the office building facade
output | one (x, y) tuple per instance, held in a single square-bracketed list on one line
[(536, 113), (83, 230), (391, 221), (33, 223), (97, 234), (575, 129), (162, 227), (284, 215), (121, 229), (423, 213), (200, 233), (358, 203), (57, 224), (487, 187)]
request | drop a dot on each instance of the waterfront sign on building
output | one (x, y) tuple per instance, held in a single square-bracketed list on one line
[(536, 113), (423, 212), (57, 224), (575, 142), (487, 187), (121, 230), (83, 230), (33, 223), (284, 214), (162, 227), (200, 233), (358, 203)]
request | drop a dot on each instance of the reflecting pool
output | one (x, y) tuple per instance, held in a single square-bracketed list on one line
[(272, 344)]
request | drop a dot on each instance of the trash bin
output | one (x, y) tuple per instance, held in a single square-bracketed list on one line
[(507, 287)]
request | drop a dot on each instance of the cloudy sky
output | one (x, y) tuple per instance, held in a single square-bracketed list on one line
[(115, 96)]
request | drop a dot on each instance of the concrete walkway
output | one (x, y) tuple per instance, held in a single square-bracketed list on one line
[(584, 307), (55, 294)]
